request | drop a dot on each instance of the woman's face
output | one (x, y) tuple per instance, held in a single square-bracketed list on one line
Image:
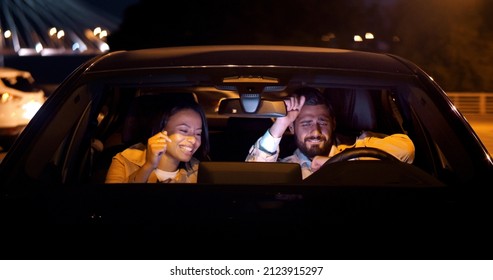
[(185, 130)]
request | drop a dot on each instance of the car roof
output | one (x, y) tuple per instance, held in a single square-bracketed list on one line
[(251, 55)]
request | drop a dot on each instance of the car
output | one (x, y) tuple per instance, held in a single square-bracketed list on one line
[(20, 100), (54, 199)]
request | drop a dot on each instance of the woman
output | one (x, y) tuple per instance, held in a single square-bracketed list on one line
[(169, 154)]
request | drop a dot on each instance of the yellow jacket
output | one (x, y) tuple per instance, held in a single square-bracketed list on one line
[(127, 162)]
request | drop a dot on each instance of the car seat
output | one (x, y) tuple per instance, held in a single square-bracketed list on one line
[(354, 110)]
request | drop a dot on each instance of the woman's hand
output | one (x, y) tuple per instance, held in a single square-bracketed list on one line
[(156, 147)]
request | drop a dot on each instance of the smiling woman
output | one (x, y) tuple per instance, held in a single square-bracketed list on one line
[(178, 131)]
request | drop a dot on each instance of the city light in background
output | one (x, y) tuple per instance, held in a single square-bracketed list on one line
[(48, 27), (451, 39)]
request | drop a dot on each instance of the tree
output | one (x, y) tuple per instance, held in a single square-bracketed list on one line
[(444, 39)]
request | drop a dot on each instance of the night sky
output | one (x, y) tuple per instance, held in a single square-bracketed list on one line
[(450, 39)]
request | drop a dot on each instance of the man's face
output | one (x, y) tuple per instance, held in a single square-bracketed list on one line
[(313, 130)]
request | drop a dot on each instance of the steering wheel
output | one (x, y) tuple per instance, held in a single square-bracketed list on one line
[(352, 153), (369, 171)]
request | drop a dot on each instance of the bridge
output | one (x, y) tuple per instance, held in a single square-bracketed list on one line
[(477, 107), (48, 27), (479, 104)]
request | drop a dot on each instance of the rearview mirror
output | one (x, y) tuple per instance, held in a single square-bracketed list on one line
[(265, 109)]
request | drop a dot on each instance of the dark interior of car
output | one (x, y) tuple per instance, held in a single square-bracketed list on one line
[(356, 109)]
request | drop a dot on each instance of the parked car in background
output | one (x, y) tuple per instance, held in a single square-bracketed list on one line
[(54, 200), (20, 99)]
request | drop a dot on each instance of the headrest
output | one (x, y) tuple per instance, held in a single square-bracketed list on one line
[(145, 112), (354, 110)]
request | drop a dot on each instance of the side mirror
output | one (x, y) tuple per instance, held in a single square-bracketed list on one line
[(260, 108)]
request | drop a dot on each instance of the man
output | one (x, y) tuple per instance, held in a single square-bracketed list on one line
[(311, 119)]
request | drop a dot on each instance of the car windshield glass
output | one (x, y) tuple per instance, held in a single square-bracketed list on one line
[(120, 111)]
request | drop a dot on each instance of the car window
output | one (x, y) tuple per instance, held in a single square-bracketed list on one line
[(231, 138), (86, 130), (357, 109), (428, 123), (62, 138)]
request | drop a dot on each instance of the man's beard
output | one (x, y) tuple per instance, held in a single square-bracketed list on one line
[(314, 150)]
